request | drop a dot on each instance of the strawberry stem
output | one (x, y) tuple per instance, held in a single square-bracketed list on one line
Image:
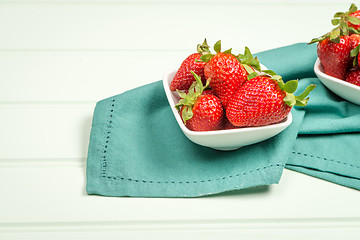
[(203, 48)]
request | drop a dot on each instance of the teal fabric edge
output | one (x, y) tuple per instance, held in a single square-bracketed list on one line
[(343, 181), (111, 186), (324, 164), (100, 127)]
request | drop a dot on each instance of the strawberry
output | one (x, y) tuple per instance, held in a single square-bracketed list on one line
[(334, 47), (334, 57), (354, 40), (226, 71), (183, 78), (200, 112), (264, 100), (353, 77)]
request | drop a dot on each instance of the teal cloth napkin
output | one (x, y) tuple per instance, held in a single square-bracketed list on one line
[(137, 149)]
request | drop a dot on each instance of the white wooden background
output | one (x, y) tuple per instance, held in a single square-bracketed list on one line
[(58, 58)]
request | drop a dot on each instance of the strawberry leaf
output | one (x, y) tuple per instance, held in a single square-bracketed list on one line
[(302, 103), (291, 86), (269, 72), (353, 30), (344, 29), (252, 75), (249, 59), (305, 93), (228, 51), (338, 14), (335, 35), (206, 57), (335, 21), (217, 46), (290, 100), (248, 69), (187, 113), (355, 51), (181, 94), (352, 8), (354, 20)]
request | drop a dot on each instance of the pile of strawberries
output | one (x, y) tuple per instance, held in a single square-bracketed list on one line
[(338, 50), (225, 91)]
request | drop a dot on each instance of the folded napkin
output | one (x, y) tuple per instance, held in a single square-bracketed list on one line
[(137, 149)]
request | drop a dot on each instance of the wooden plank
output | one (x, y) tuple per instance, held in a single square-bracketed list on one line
[(40, 131), (74, 25), (181, 230), (80, 75), (57, 195)]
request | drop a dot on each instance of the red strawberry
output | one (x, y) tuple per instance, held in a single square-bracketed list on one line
[(334, 57), (353, 77), (183, 78), (225, 72), (264, 100), (200, 112), (334, 47), (354, 40)]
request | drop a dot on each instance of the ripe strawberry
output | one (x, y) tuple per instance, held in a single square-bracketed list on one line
[(354, 40), (334, 47), (353, 77), (227, 71), (226, 74), (183, 78), (334, 57), (264, 100), (200, 112)]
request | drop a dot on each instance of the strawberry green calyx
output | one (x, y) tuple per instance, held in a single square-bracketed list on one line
[(217, 48), (249, 63), (188, 100), (290, 87), (203, 48), (340, 21)]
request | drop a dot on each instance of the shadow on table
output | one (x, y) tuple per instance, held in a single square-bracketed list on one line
[(248, 191)]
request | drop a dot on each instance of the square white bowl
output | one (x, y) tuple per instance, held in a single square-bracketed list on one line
[(347, 91), (222, 139)]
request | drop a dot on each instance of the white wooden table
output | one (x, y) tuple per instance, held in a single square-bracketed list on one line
[(58, 58)]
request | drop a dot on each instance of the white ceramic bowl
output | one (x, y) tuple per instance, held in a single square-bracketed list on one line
[(347, 91), (223, 139)]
